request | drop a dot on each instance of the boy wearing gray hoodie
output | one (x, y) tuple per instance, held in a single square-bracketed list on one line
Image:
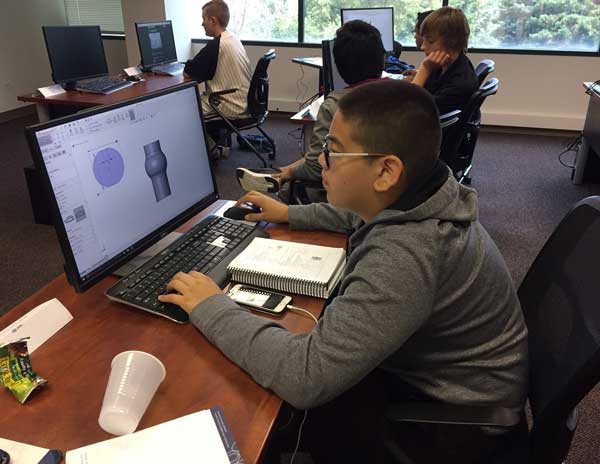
[(425, 297)]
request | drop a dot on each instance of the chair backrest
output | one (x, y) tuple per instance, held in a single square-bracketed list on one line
[(258, 93), (454, 135), (483, 69), (560, 299)]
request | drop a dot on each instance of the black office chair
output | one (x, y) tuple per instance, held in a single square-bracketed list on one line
[(559, 297), (483, 69), (258, 103), (458, 141), (304, 192)]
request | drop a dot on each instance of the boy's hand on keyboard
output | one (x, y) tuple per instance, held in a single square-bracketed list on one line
[(272, 210), (192, 288)]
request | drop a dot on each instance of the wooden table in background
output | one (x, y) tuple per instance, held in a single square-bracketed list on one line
[(81, 100), (76, 363)]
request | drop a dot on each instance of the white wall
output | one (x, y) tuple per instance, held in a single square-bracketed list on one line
[(139, 10), (23, 54), (535, 91)]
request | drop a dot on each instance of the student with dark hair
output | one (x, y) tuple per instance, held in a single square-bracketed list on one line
[(446, 72), (426, 308), (222, 64), (359, 56)]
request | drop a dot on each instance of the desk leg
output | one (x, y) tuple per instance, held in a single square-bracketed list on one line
[(581, 161), (43, 112)]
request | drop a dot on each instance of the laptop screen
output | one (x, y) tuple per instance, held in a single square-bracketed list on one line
[(124, 175), (156, 42), (331, 76)]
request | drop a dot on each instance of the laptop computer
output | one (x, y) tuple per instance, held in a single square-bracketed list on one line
[(121, 177), (157, 48)]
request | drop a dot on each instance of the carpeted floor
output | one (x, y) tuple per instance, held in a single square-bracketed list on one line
[(523, 193)]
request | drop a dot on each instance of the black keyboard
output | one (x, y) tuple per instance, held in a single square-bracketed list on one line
[(172, 69), (208, 248), (104, 85)]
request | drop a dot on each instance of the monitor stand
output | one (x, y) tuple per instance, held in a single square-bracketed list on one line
[(146, 255)]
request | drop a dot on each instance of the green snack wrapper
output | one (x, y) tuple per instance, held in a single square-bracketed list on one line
[(16, 373)]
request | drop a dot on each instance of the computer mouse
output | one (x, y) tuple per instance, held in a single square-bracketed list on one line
[(134, 78), (239, 212)]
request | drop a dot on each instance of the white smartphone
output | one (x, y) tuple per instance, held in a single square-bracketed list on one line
[(259, 299)]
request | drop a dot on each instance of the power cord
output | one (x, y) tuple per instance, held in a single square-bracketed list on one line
[(296, 309), (571, 145), (299, 436)]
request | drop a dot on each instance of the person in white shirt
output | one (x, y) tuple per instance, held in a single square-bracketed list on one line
[(222, 64)]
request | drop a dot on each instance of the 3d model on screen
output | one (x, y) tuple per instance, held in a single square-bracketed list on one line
[(156, 168), (108, 167)]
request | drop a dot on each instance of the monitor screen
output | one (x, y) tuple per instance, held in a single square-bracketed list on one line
[(123, 176), (156, 42), (331, 77), (381, 18), (75, 52)]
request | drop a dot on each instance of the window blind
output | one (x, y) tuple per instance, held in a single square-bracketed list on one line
[(104, 13)]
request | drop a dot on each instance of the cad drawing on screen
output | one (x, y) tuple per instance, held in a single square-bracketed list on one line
[(156, 168), (108, 167)]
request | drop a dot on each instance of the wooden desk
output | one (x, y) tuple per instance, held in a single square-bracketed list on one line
[(81, 100), (76, 362)]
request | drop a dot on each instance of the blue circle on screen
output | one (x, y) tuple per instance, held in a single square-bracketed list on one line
[(108, 167)]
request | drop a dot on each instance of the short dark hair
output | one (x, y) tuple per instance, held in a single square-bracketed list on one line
[(218, 9), (421, 15), (358, 52), (450, 25), (395, 117)]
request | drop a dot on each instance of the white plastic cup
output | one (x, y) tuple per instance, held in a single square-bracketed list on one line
[(134, 379)]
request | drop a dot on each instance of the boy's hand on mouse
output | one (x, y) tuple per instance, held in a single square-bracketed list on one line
[(272, 210), (193, 288)]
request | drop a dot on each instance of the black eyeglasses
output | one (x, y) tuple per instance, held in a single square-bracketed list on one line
[(328, 154)]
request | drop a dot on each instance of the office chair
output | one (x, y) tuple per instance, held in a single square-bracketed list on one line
[(458, 141), (304, 192), (258, 102), (559, 298), (483, 69)]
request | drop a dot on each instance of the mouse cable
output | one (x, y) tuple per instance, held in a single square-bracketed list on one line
[(296, 308)]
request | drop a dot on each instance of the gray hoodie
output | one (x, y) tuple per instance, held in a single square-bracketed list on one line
[(425, 296)]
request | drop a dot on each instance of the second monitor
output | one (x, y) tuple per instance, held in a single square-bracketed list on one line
[(381, 18), (157, 47)]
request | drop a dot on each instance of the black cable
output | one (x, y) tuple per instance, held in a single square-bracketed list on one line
[(570, 145)]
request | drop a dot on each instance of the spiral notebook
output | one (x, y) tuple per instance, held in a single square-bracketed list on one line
[(289, 267)]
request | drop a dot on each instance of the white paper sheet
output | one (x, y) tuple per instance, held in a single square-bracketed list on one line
[(39, 324), (191, 438)]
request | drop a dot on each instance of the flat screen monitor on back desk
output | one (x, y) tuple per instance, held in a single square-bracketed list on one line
[(75, 53), (331, 76), (381, 18), (157, 47)]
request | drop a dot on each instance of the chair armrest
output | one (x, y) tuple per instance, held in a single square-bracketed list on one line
[(444, 413)]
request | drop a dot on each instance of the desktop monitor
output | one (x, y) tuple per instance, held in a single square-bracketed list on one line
[(331, 77), (121, 177), (75, 53), (381, 18), (156, 42)]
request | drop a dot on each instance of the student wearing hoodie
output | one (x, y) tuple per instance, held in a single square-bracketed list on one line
[(426, 303)]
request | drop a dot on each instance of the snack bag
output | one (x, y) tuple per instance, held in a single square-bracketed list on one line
[(16, 373)]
